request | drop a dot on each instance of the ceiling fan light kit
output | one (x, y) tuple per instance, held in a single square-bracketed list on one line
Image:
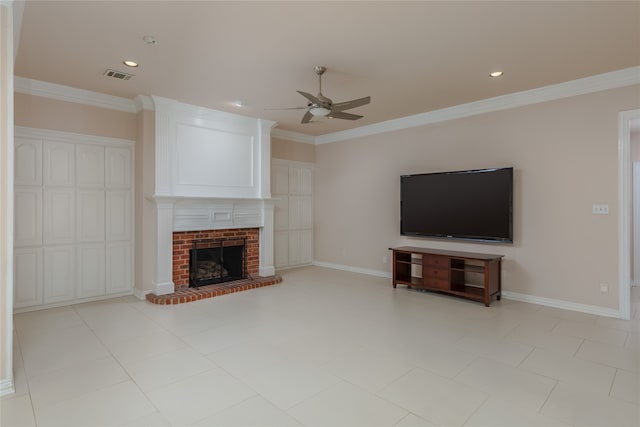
[(321, 106)]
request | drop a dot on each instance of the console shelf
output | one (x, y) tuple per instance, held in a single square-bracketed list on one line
[(449, 272)]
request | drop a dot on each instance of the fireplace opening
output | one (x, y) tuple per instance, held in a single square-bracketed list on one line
[(217, 260)]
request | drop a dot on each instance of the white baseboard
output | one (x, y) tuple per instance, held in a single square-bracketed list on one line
[(565, 305), (351, 269), (549, 302), (140, 294), (6, 387)]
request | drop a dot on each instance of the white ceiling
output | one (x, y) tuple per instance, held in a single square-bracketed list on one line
[(410, 57)]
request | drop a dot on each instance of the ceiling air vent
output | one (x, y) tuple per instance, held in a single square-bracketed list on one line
[(117, 74)]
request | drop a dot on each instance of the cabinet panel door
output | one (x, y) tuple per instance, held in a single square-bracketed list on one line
[(59, 164), (300, 247), (118, 167), (300, 180), (119, 272), (281, 213), (118, 215), (28, 161), (300, 212), (91, 272), (281, 248), (279, 179), (59, 273), (90, 166), (28, 283), (59, 215), (27, 217), (90, 220)]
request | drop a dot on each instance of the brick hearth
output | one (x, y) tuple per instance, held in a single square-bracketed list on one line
[(186, 294), (183, 241)]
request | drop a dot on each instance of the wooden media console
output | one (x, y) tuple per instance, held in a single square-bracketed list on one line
[(475, 276)]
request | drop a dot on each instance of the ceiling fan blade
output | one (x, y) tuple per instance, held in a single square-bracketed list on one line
[(342, 115), (310, 97), (306, 118), (341, 106), (287, 108)]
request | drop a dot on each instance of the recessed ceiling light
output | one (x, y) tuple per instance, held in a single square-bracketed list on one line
[(237, 104), (496, 74), (130, 63)]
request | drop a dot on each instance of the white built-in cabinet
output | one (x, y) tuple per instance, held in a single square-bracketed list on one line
[(292, 189), (73, 224)]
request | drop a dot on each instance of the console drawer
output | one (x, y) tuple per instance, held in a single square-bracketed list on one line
[(436, 273), (435, 283), (436, 261)]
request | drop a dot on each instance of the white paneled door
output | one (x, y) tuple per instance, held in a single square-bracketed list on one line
[(27, 272), (292, 189), (74, 217)]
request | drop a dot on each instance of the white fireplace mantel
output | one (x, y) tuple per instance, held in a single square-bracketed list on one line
[(212, 171)]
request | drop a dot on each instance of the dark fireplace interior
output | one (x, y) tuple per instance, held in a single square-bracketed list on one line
[(217, 260)]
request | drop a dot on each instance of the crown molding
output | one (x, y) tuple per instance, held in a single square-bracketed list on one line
[(56, 135), (293, 136), (143, 102), (70, 94), (597, 83)]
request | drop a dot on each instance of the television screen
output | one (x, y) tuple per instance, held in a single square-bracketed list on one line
[(469, 205)]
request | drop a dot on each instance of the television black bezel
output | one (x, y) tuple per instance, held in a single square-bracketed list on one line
[(482, 239)]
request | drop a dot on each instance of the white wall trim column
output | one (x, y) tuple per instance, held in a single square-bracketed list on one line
[(624, 211), (163, 280), (267, 267), (6, 196)]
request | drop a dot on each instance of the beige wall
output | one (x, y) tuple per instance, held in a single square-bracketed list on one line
[(45, 113), (289, 150), (565, 158)]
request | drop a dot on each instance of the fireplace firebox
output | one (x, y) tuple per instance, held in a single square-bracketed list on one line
[(217, 260)]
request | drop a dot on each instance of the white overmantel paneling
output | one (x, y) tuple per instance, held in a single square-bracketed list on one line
[(207, 153), (212, 171)]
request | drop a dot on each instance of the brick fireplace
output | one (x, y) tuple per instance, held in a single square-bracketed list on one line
[(211, 180), (183, 243)]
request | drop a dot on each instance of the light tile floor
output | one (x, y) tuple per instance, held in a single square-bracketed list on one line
[(324, 348)]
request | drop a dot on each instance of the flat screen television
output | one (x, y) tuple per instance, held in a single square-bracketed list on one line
[(467, 205)]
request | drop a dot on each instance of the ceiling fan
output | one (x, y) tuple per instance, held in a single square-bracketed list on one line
[(320, 105)]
